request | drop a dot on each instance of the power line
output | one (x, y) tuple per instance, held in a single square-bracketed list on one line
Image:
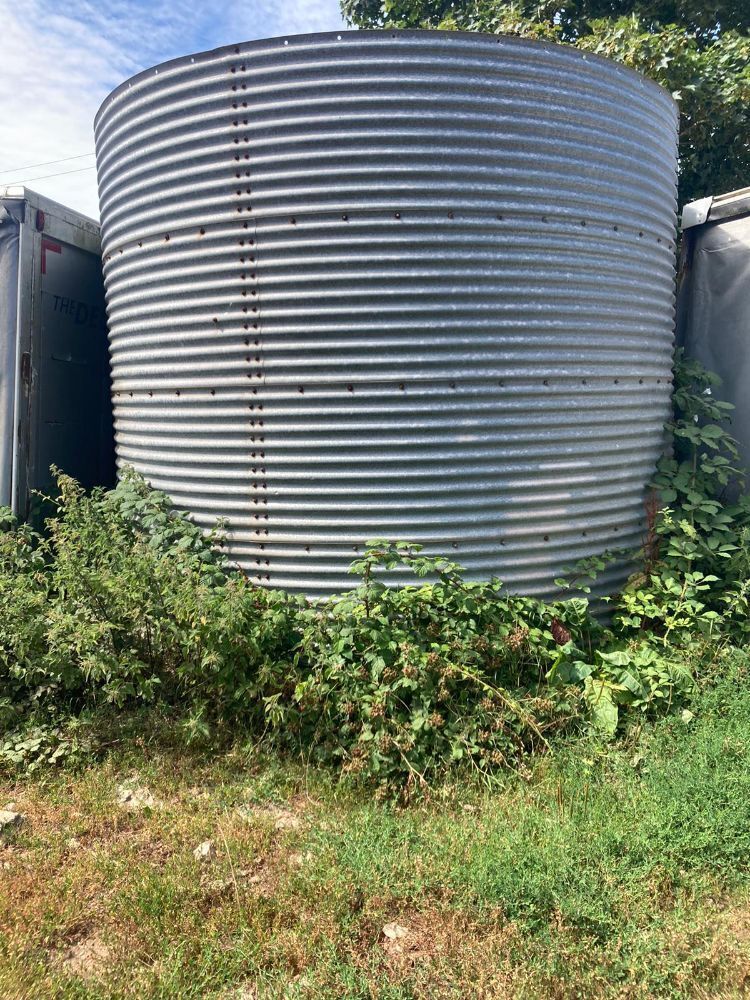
[(44, 177), (45, 163)]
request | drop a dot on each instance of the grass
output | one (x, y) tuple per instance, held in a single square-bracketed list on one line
[(602, 871)]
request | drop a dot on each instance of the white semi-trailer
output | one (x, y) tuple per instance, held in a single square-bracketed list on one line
[(55, 404)]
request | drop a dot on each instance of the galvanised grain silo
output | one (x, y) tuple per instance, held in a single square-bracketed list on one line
[(415, 285)]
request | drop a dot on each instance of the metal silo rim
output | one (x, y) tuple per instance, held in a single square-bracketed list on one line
[(413, 33)]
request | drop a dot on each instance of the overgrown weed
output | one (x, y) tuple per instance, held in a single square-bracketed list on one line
[(126, 601)]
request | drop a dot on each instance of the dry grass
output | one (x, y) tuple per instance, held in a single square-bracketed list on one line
[(518, 893)]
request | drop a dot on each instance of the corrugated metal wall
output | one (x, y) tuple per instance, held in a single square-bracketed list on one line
[(415, 285)]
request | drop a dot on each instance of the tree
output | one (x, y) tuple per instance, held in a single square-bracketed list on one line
[(699, 52)]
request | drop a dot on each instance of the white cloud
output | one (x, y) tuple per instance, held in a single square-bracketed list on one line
[(289, 17), (59, 63)]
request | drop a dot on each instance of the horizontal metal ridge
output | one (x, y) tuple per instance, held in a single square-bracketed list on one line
[(413, 284)]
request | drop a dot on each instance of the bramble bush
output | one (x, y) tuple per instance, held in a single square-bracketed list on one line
[(126, 601)]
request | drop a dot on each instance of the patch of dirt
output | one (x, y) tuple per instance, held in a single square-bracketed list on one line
[(434, 950), (284, 818), (247, 991), (261, 877), (135, 798), (87, 958)]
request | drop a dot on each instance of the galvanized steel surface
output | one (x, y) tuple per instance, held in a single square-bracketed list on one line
[(415, 285)]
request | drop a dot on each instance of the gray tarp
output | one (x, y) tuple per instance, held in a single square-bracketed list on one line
[(10, 218), (713, 313)]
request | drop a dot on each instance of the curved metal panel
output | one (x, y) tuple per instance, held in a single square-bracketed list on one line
[(405, 284)]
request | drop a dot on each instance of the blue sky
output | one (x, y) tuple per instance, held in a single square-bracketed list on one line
[(60, 60)]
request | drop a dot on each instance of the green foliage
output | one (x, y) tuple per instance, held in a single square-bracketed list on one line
[(695, 576), (411, 680), (127, 601), (701, 54)]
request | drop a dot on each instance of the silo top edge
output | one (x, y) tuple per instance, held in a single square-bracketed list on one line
[(287, 42)]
